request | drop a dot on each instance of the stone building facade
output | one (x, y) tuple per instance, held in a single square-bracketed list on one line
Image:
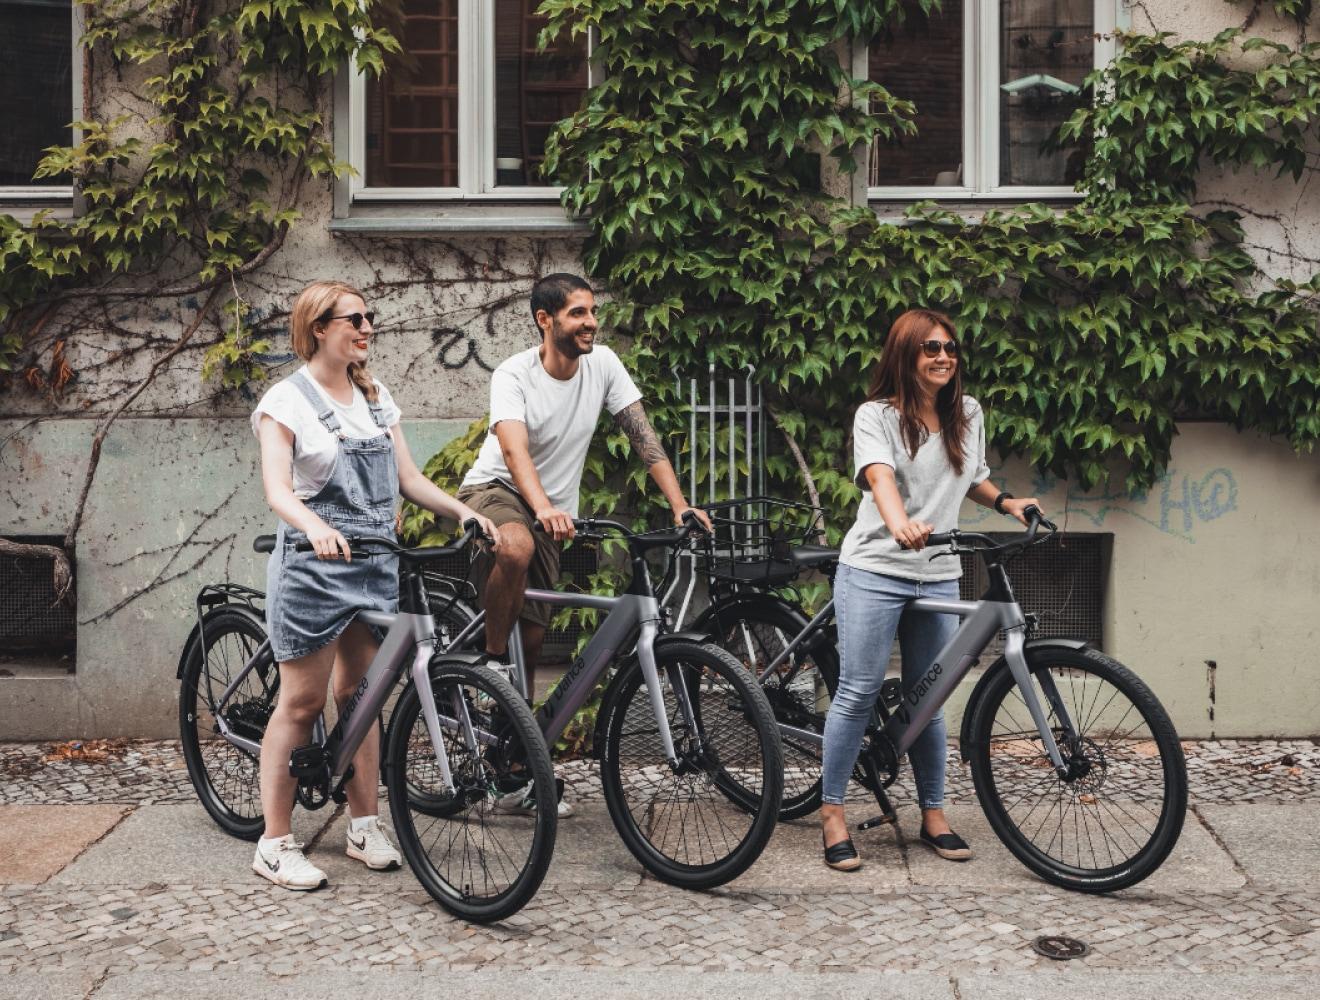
[(1205, 584)]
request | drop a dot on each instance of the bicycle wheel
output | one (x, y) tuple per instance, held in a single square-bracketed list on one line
[(1117, 815), (479, 862), (798, 689), (682, 822), (226, 778)]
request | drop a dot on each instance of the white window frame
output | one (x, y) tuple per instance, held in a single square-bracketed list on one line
[(980, 164), (18, 194), (476, 123)]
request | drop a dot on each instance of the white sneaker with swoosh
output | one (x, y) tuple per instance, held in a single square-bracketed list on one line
[(282, 861), (372, 847)]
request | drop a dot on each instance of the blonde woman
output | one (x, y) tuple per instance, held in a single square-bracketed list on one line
[(333, 463)]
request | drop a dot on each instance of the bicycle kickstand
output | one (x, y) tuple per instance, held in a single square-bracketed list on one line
[(887, 814)]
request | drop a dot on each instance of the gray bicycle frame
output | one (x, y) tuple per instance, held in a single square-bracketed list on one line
[(407, 636), (980, 621), (628, 616)]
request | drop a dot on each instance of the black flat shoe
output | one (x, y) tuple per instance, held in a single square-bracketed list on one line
[(949, 846), (843, 856)]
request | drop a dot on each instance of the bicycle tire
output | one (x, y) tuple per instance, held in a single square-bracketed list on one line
[(492, 875), (226, 779), (754, 632), (1133, 765), (734, 734)]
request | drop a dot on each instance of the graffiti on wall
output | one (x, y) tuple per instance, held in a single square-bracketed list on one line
[(1178, 504)]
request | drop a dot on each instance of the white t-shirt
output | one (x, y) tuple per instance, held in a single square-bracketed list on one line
[(560, 416), (929, 488), (314, 448)]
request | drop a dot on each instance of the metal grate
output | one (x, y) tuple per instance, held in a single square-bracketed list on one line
[(1062, 582), (578, 560), (31, 619)]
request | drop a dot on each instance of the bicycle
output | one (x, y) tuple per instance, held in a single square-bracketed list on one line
[(759, 547), (690, 758), (459, 737), (1089, 792)]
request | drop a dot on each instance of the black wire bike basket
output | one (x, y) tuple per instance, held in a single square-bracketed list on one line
[(761, 541)]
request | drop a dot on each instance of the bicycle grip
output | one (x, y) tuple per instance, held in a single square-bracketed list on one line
[(263, 543), (1034, 513), (940, 538)]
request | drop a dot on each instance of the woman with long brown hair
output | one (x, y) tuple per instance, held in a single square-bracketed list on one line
[(918, 450), (333, 461)]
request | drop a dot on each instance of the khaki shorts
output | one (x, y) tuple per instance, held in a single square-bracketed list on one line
[(504, 506)]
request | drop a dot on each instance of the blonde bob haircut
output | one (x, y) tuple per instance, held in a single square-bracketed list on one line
[(312, 309)]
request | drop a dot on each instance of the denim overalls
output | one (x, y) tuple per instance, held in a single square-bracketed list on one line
[(310, 601)]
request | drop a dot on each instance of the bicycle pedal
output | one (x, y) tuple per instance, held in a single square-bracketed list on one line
[(875, 821)]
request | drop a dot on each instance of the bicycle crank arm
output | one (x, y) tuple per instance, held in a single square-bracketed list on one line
[(887, 814)]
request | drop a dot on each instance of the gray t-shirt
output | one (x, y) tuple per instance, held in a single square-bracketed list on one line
[(929, 488), (560, 417)]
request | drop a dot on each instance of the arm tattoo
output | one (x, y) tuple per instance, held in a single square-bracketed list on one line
[(632, 419)]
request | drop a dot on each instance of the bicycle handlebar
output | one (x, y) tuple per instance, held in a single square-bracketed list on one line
[(984, 543), (597, 527), (471, 531)]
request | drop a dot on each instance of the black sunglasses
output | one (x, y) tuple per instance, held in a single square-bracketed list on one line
[(932, 348), (354, 318)]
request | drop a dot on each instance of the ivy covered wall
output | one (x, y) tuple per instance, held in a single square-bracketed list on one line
[(1094, 328)]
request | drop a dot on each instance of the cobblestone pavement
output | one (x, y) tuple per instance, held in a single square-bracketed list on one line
[(172, 928), (152, 771), (1242, 897)]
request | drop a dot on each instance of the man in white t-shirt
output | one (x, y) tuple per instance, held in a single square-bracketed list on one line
[(544, 404)]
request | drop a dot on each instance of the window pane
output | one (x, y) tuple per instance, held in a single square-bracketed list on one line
[(533, 90), (921, 61), (1046, 49), (36, 85), (412, 110)]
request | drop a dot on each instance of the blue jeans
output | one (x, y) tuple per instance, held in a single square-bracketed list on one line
[(869, 610)]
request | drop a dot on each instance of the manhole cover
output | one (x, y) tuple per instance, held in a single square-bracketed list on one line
[(1059, 948)]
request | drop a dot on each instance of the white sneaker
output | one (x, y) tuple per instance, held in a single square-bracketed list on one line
[(282, 861), (521, 801), (372, 847)]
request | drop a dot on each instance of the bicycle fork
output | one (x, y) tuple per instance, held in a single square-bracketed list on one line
[(422, 683), (1014, 643)]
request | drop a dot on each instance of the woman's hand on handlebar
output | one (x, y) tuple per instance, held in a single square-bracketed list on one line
[(486, 525), (1017, 508), (328, 543), (913, 534)]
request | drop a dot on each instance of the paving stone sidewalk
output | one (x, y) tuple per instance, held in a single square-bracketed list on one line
[(113, 882), (152, 771)]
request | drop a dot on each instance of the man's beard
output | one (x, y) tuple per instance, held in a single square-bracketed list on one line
[(566, 343)]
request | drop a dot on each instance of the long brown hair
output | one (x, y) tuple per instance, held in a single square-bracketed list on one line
[(895, 379), (310, 309)]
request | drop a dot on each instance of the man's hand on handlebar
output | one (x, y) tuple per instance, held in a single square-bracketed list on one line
[(556, 523), (683, 515), (1017, 508)]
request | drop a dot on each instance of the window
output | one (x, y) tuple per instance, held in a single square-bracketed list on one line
[(992, 80), (467, 108), (36, 89)]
